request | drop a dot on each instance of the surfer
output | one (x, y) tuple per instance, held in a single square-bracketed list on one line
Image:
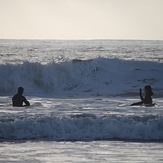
[(148, 99), (18, 99)]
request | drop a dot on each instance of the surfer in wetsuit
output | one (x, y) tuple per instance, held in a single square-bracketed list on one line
[(18, 99), (148, 93)]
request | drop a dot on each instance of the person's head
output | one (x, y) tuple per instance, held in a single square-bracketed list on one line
[(20, 90), (148, 89)]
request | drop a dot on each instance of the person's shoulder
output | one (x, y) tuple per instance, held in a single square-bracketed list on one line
[(23, 96), (15, 95)]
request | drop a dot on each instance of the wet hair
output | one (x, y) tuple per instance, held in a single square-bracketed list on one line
[(20, 90), (148, 89)]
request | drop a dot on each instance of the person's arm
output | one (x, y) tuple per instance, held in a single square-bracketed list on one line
[(26, 102), (141, 97)]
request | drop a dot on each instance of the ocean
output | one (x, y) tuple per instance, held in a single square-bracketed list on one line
[(80, 93)]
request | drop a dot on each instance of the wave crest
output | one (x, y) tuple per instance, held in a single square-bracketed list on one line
[(98, 74), (83, 127)]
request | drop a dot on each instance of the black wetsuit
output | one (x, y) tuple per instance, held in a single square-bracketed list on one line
[(18, 100), (146, 100)]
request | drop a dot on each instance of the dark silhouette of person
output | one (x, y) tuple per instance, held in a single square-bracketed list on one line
[(18, 99), (148, 93)]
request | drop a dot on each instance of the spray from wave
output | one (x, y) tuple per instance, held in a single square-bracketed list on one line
[(99, 74)]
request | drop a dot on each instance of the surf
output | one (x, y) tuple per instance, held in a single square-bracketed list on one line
[(102, 75)]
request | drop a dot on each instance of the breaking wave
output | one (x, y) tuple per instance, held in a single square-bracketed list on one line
[(82, 127), (102, 73)]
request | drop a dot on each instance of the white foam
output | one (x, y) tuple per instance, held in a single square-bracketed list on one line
[(74, 93), (81, 118), (100, 75)]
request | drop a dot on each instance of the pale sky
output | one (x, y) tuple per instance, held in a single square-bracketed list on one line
[(81, 19)]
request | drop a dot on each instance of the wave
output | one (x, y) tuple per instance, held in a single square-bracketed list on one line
[(82, 127), (100, 74)]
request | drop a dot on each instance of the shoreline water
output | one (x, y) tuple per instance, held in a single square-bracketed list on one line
[(95, 151)]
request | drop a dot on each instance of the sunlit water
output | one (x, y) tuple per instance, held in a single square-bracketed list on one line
[(75, 89)]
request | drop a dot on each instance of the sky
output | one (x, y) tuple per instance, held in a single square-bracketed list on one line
[(81, 19)]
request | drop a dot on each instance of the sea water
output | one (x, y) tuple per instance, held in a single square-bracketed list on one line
[(80, 92)]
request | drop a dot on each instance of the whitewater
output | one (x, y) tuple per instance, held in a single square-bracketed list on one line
[(80, 93)]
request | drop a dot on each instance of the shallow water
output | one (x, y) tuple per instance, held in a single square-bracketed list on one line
[(81, 151), (48, 149)]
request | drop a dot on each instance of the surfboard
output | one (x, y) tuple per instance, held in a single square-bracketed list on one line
[(36, 104), (122, 105), (146, 105)]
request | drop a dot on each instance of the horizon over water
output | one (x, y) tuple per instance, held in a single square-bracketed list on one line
[(75, 88)]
